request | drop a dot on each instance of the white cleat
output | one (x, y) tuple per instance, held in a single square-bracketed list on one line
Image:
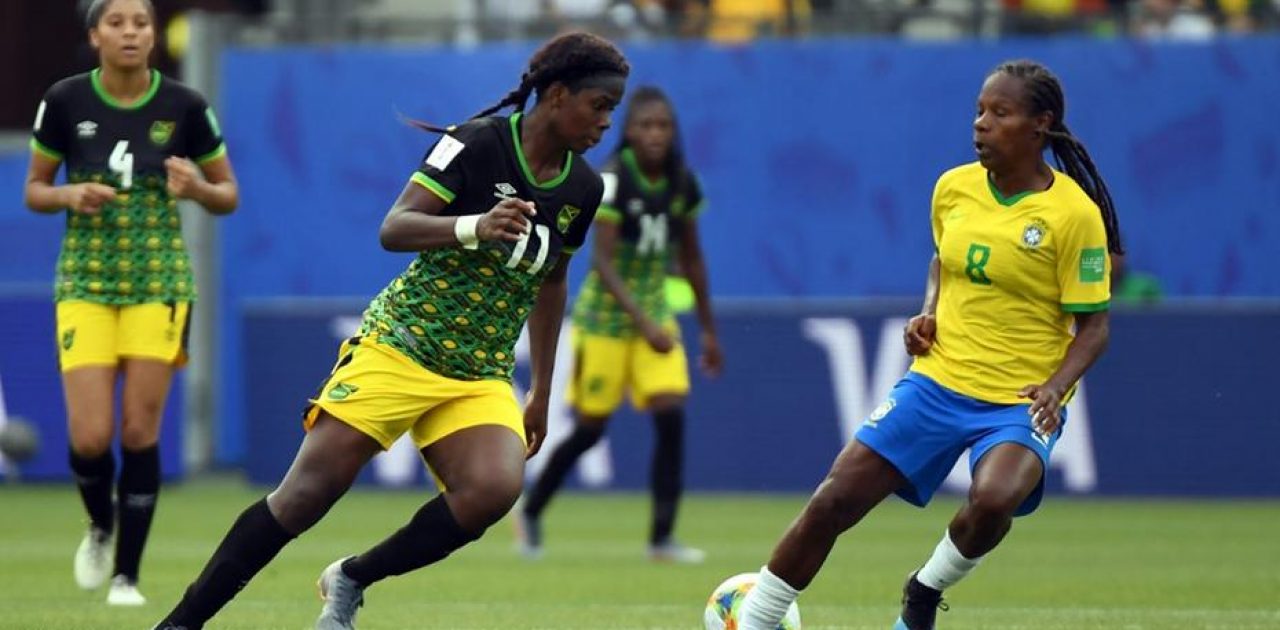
[(124, 593), (677, 553), (342, 597), (93, 562)]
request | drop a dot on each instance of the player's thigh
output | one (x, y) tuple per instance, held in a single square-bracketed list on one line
[(87, 334), (480, 468), (658, 379), (375, 390), (859, 479), (1008, 463), (155, 331), (600, 374), (921, 429), (146, 387)]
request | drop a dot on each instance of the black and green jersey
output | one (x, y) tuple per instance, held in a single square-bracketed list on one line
[(650, 216), (132, 251), (458, 311)]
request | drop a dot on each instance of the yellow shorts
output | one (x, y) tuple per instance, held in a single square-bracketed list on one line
[(605, 366), (382, 393), (90, 333)]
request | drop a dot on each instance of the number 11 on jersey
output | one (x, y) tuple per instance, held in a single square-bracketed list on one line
[(544, 244)]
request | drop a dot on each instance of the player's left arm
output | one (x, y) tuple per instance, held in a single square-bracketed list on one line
[(214, 187), (1084, 284), (544, 336), (695, 269), (204, 175)]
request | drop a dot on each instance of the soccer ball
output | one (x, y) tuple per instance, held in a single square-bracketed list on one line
[(19, 440), (722, 608)]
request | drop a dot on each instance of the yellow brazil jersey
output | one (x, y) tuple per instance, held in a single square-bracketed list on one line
[(1013, 272)]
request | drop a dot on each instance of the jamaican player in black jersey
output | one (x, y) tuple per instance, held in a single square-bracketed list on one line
[(625, 335), (495, 209), (134, 143)]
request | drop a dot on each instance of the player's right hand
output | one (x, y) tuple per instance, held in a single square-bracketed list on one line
[(659, 339), (87, 198), (509, 221), (919, 333)]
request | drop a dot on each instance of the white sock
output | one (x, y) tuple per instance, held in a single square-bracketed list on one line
[(946, 566), (766, 603)]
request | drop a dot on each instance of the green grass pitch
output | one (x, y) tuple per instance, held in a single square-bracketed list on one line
[(1131, 565)]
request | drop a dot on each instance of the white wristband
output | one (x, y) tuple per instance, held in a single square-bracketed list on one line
[(464, 228)]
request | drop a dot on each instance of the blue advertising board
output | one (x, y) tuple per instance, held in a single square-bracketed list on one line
[(1177, 406)]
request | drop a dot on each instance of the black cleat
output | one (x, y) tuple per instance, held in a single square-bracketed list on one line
[(920, 606)]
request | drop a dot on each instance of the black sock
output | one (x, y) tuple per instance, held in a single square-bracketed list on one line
[(136, 498), (95, 477), (558, 467), (666, 474), (254, 539), (431, 535)]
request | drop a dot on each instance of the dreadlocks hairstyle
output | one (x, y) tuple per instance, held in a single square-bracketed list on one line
[(570, 59), (1044, 94), (673, 163), (99, 8)]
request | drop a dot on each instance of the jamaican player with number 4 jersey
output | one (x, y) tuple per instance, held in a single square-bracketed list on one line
[(133, 143), (1014, 314), (625, 335), (495, 210)]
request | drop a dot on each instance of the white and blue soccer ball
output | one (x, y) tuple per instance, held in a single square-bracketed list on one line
[(722, 607)]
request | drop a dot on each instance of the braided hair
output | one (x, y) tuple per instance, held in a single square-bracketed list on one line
[(569, 59), (673, 163), (1044, 94)]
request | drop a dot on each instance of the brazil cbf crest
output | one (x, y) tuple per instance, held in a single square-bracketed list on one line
[(1034, 233), (880, 412), (161, 131), (567, 214)]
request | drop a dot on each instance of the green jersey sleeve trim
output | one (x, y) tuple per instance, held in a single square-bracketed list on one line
[(424, 180), (221, 151), (45, 151), (608, 214), (568, 250), (96, 80), (524, 165), (697, 210), (1087, 308)]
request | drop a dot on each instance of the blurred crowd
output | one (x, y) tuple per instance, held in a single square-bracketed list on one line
[(733, 21)]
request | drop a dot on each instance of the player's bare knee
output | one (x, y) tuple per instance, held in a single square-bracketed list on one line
[(484, 501), (299, 504), (834, 506), (91, 438), (993, 501), (137, 435)]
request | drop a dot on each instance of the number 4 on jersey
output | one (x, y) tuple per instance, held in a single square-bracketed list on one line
[(121, 162)]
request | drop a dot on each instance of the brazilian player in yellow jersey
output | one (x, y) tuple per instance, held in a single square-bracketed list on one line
[(1014, 314), (625, 334), (132, 142), (494, 211)]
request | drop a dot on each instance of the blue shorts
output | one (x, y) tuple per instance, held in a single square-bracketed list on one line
[(923, 428)]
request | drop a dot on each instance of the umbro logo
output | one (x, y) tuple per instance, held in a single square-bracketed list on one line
[(86, 129), (505, 191)]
